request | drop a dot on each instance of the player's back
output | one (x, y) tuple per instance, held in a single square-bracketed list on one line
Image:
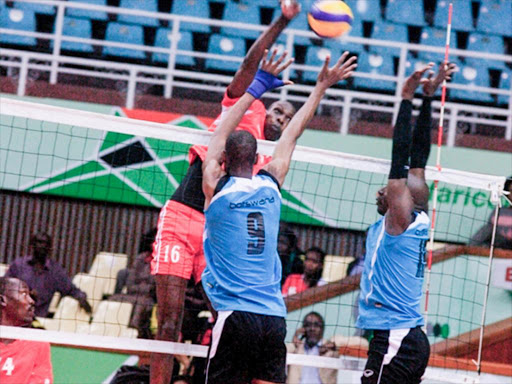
[(391, 284), (240, 244)]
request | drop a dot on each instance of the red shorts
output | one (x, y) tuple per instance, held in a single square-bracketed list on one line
[(178, 247)]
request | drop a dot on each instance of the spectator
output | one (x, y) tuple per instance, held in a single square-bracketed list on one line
[(23, 361), (136, 285), (45, 276), (308, 341), (289, 253), (503, 229), (312, 276), (356, 266)]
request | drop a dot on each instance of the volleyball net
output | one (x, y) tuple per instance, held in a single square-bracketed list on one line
[(96, 183)]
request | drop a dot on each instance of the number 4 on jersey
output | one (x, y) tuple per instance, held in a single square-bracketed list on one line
[(8, 366)]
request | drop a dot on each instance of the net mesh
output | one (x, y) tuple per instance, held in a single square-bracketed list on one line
[(97, 182)]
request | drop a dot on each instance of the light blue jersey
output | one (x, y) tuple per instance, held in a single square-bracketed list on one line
[(392, 280), (243, 269)]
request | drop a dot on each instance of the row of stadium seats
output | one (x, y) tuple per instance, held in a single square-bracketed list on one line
[(490, 15)]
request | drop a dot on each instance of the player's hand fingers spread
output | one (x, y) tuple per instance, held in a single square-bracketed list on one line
[(342, 58), (264, 61), (325, 68), (285, 65)]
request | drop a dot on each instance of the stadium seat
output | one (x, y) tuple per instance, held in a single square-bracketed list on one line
[(106, 266), (146, 5), (247, 13), (67, 318), (196, 8), (3, 269), (226, 46), (300, 22), (315, 57), (472, 76), (495, 17), (77, 28), (341, 44), (367, 10), (406, 12), (463, 21), (23, 20), (486, 43), (335, 267), (375, 64), (92, 286), (505, 83), (383, 30), (35, 7), (110, 319), (123, 33), (435, 37), (85, 13), (185, 44)]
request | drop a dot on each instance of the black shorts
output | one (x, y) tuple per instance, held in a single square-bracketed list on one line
[(398, 356), (247, 346)]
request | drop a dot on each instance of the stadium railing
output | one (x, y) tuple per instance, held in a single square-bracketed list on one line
[(133, 74)]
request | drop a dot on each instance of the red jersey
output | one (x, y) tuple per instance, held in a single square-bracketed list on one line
[(25, 362), (295, 283), (253, 122)]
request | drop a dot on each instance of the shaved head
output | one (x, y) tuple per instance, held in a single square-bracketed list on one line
[(240, 151)]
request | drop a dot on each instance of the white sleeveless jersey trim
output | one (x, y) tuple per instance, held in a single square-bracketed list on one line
[(374, 258), (242, 184)]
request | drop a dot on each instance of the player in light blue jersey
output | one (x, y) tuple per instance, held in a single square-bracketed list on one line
[(392, 280), (243, 273)]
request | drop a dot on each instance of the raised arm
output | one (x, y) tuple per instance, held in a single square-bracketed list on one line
[(398, 196), (245, 74), (421, 138), (281, 158), (265, 80)]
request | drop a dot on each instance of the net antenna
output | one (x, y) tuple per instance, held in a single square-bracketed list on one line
[(438, 164)]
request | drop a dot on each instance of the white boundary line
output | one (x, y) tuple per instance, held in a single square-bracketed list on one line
[(168, 132)]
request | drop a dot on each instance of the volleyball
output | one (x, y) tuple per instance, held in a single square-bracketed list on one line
[(330, 18)]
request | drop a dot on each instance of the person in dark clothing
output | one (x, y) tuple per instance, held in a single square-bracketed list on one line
[(45, 276), (289, 253)]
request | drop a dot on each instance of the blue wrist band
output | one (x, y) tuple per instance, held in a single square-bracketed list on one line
[(263, 82)]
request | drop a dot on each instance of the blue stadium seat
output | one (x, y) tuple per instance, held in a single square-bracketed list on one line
[(185, 44), (146, 5), (36, 7), (95, 15), (367, 10), (406, 12), (247, 13), (226, 46), (505, 83), (196, 8), (341, 45), (383, 30), (486, 43), (473, 76), (20, 20), (122, 33), (376, 64), (495, 17), (300, 22), (463, 19), (435, 37), (77, 28), (315, 57)]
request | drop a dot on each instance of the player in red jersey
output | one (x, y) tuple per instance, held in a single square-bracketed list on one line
[(21, 361), (178, 249)]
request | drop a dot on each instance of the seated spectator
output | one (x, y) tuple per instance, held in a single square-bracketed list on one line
[(289, 253), (136, 285), (308, 341), (45, 276), (22, 361), (312, 276), (504, 228)]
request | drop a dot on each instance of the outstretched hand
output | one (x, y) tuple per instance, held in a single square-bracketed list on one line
[(413, 81), (276, 67), (339, 71), (290, 8), (431, 83)]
